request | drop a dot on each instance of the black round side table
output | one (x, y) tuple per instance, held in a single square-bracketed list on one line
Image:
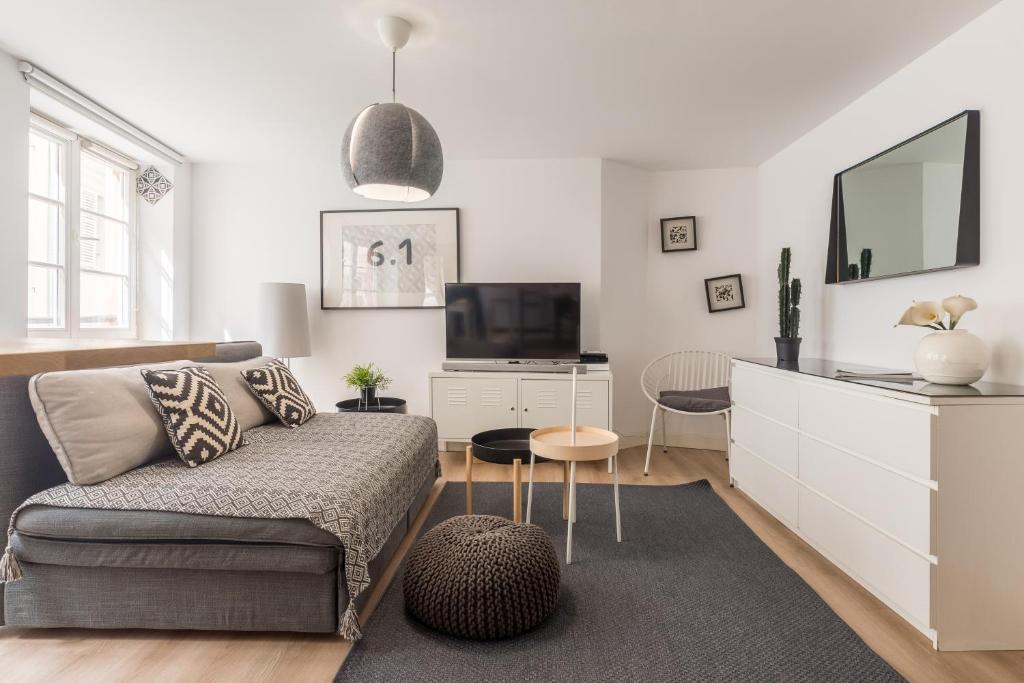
[(381, 404)]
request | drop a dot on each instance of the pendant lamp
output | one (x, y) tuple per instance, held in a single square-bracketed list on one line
[(390, 151)]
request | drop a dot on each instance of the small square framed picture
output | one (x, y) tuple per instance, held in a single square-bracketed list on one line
[(679, 234), (724, 293)]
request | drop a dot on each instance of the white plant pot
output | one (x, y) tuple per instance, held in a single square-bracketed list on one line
[(951, 357)]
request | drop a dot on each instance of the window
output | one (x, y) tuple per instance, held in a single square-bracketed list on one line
[(82, 242)]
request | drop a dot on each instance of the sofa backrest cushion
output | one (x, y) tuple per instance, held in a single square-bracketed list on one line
[(101, 423), (249, 410)]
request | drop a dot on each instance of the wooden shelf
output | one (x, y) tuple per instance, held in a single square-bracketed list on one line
[(31, 355)]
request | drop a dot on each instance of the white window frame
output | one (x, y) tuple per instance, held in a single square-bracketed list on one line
[(72, 148)]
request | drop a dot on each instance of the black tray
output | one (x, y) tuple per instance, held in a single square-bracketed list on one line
[(502, 446)]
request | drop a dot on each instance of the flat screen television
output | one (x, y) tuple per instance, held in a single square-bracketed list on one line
[(513, 321)]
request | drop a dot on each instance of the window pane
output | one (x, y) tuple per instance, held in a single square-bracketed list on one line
[(104, 245), (45, 232), (104, 187), (44, 166), (45, 297), (104, 301)]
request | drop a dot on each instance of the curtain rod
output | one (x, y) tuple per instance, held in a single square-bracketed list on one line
[(47, 84)]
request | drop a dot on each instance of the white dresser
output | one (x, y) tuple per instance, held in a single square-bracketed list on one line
[(916, 491), (466, 402)]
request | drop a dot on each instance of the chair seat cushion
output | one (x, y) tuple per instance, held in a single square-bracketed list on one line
[(696, 401), (482, 577)]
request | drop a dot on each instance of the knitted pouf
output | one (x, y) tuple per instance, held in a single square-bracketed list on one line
[(482, 577)]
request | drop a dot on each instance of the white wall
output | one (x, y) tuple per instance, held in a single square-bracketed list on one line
[(164, 258), (624, 299), (978, 67), (13, 198), (520, 220), (724, 203), (583, 220)]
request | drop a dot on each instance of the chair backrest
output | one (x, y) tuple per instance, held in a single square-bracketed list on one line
[(685, 371)]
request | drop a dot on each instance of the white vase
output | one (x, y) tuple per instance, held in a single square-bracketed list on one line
[(951, 357)]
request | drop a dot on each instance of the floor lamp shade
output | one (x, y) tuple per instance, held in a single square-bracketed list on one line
[(391, 152), (284, 331)]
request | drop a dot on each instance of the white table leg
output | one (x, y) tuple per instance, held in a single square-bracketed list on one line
[(529, 489), (618, 517), (572, 512), (609, 465), (574, 498)]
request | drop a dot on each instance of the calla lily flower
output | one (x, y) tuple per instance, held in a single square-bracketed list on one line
[(956, 306), (923, 314)]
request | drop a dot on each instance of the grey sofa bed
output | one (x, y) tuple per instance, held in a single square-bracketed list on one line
[(94, 568)]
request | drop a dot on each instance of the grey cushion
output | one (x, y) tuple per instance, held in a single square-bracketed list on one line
[(696, 401), (152, 540), (243, 557), (70, 405), (44, 521)]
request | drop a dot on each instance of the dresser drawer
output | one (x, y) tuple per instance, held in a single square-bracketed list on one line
[(772, 489), (891, 502), (772, 441), (895, 433), (898, 576), (766, 392)]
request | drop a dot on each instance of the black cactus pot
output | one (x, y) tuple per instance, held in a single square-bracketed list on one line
[(787, 348)]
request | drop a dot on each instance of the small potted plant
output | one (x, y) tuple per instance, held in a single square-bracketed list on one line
[(367, 379), (787, 344)]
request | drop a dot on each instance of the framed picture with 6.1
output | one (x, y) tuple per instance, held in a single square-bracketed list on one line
[(387, 258)]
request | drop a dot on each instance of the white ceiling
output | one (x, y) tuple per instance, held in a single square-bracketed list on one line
[(660, 84)]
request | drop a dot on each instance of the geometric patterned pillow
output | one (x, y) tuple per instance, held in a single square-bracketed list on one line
[(276, 386), (195, 413)]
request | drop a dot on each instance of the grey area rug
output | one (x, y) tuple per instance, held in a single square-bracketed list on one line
[(691, 594)]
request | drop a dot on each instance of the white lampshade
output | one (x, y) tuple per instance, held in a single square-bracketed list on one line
[(284, 326)]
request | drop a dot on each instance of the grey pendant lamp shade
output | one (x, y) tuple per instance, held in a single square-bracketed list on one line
[(390, 151)]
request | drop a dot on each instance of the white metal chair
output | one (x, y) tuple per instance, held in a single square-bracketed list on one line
[(684, 371)]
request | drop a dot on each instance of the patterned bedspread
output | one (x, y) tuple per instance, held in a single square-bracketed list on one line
[(353, 475)]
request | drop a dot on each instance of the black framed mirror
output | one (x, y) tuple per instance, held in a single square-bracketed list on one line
[(914, 208)]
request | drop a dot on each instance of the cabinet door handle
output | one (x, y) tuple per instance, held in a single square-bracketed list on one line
[(526, 410), (512, 408)]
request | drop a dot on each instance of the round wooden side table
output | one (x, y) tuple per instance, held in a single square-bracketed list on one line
[(588, 443)]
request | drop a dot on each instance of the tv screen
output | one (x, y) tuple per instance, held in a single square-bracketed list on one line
[(507, 321)]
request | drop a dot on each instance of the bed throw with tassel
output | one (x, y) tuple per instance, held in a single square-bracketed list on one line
[(352, 475)]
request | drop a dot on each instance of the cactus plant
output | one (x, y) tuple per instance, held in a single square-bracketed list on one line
[(794, 309), (865, 262), (784, 291), (789, 299)]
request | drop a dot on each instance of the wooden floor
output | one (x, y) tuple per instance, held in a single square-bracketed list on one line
[(80, 656)]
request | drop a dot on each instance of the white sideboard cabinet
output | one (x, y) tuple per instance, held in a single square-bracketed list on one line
[(914, 490), (464, 403)]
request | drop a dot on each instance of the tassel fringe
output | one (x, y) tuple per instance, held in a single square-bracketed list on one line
[(10, 570), (349, 628)]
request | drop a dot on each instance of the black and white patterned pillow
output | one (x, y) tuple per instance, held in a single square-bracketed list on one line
[(276, 386), (195, 412)]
